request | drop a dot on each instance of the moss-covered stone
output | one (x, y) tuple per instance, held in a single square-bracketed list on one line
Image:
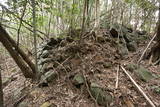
[(144, 74), (100, 38), (132, 46), (5, 81), (45, 54), (107, 65), (23, 104), (49, 76), (46, 104), (156, 89), (54, 41), (132, 67), (46, 67), (122, 49), (140, 71), (103, 97), (43, 61), (78, 79)]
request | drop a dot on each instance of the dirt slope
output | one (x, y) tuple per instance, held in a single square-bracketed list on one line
[(84, 74)]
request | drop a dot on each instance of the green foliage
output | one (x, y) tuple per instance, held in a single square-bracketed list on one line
[(60, 15), (128, 1), (144, 4)]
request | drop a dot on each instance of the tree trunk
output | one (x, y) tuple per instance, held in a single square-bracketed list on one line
[(22, 54), (35, 36), (97, 13), (87, 13), (18, 59), (84, 19), (155, 51), (1, 91)]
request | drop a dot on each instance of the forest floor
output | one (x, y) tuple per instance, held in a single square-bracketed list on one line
[(97, 60)]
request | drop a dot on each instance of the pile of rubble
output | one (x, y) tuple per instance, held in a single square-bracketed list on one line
[(88, 63)]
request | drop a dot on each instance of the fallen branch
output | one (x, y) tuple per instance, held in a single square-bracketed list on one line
[(157, 62), (139, 88), (117, 77), (146, 48)]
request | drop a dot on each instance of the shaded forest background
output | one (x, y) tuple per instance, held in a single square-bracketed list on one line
[(55, 17)]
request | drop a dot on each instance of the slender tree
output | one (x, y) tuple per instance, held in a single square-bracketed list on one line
[(18, 59), (97, 13), (22, 53), (34, 34), (84, 18)]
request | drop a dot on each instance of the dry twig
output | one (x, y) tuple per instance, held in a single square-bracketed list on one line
[(139, 88), (146, 48), (117, 77)]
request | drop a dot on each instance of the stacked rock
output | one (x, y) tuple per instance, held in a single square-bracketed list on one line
[(45, 54), (49, 56)]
